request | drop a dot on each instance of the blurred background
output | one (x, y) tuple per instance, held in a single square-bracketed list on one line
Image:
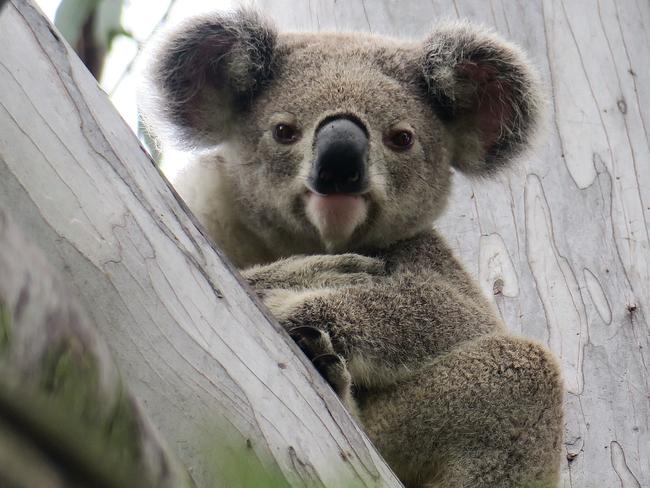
[(109, 36)]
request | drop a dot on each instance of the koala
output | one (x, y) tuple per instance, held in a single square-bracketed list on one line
[(321, 163)]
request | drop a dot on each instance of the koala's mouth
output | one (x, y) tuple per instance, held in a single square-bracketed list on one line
[(336, 216)]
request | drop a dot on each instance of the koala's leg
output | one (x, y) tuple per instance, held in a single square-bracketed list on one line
[(487, 414)]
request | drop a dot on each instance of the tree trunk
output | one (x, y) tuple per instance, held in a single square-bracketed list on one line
[(225, 386), (562, 244), (66, 418)]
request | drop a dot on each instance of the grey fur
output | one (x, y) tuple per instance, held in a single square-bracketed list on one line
[(456, 57), (217, 59), (386, 312)]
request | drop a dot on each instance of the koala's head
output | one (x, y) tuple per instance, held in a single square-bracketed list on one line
[(344, 140)]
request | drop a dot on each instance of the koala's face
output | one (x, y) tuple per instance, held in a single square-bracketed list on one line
[(338, 149), (342, 140)]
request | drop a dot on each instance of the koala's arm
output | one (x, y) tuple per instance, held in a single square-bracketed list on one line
[(424, 305), (315, 271)]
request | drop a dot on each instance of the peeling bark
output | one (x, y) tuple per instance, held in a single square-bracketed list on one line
[(562, 242)]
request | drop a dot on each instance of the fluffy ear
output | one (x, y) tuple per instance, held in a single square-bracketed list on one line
[(486, 91), (203, 73)]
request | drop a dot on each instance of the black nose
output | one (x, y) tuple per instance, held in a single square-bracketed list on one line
[(341, 149)]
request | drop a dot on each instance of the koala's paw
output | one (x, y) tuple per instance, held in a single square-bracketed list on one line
[(322, 270), (317, 346), (290, 307)]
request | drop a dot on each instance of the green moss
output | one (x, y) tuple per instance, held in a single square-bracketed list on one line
[(5, 327), (61, 407), (241, 468), (77, 449), (69, 375), (233, 462), (123, 430)]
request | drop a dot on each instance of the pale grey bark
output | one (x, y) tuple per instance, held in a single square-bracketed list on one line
[(210, 369), (561, 244), (66, 418)]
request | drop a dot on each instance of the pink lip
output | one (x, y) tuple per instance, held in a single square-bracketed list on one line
[(336, 216), (336, 200)]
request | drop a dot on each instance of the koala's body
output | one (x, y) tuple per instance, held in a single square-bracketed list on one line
[(325, 160)]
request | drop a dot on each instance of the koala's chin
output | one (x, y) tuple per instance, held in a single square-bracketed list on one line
[(335, 216)]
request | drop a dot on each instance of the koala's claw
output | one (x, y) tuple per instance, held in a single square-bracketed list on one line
[(317, 346), (313, 342), (332, 367), (325, 360), (306, 331)]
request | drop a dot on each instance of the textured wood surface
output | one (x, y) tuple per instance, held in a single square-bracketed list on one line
[(561, 243), (66, 417), (210, 369)]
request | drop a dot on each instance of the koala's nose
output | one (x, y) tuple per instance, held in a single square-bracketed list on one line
[(341, 149)]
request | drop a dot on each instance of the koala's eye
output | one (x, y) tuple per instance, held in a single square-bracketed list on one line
[(399, 140), (286, 133)]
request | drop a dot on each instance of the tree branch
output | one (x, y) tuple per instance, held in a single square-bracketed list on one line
[(210, 368)]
